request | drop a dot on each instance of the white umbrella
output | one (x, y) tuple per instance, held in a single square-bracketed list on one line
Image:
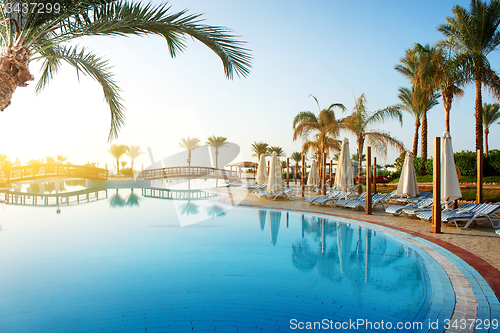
[(343, 176), (313, 174), (450, 187), (273, 183), (261, 170), (408, 180)]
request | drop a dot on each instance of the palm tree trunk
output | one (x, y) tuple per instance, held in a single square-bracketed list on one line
[(486, 132), (423, 150), (117, 166), (415, 138), (14, 72), (479, 117), (361, 143), (447, 99)]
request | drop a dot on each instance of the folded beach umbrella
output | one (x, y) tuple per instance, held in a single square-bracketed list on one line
[(408, 180), (273, 183), (261, 176), (343, 177), (313, 174), (450, 187)]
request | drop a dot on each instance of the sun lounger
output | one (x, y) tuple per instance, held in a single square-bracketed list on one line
[(421, 196), (286, 193), (344, 203), (377, 199), (333, 195), (398, 209), (413, 211), (484, 212), (465, 208)]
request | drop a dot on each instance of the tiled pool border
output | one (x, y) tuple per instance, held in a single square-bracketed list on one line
[(480, 291)]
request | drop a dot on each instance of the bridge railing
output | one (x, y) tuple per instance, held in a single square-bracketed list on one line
[(187, 172), (52, 169)]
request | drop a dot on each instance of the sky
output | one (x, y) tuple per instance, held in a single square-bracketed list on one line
[(334, 50)]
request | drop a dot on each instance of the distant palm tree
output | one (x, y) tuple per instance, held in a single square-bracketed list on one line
[(473, 34), (189, 144), (61, 159), (413, 106), (123, 163), (359, 121), (279, 151), (134, 152), (49, 37), (217, 142), (491, 113), (117, 151), (259, 148), (296, 156)]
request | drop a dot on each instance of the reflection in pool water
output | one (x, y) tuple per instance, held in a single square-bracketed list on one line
[(125, 264)]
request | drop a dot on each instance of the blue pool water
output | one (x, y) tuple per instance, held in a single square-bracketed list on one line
[(125, 264)]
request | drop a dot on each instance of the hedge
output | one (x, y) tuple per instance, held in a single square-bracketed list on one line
[(465, 161)]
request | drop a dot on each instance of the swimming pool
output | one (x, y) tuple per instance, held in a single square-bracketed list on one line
[(125, 264)]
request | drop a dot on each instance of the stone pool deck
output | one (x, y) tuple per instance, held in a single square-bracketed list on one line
[(479, 245)]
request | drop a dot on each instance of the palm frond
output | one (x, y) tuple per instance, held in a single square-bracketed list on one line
[(379, 140), (121, 18), (390, 112), (88, 64)]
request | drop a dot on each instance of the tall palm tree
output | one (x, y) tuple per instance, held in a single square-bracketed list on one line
[(411, 105), (117, 152), (326, 128), (473, 34), (359, 122), (217, 142), (296, 157), (491, 113), (133, 152), (50, 39), (259, 148), (415, 67), (189, 144)]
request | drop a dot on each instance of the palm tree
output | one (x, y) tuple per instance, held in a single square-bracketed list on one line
[(217, 142), (473, 35), (117, 151), (297, 157), (259, 148), (189, 144), (49, 159), (134, 152), (411, 105), (359, 121), (49, 38), (279, 151), (415, 67), (61, 159), (491, 113), (326, 126)]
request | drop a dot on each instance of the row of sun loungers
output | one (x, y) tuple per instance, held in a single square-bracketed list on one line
[(420, 207)]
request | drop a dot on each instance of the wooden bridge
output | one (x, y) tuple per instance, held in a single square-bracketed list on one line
[(177, 194), (51, 170), (52, 200), (188, 172)]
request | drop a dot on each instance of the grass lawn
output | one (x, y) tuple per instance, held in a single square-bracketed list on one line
[(463, 179)]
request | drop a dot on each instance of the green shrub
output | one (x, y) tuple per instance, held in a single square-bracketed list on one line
[(492, 163), (466, 162), (127, 172)]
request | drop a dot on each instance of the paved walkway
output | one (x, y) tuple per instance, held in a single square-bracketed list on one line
[(476, 243)]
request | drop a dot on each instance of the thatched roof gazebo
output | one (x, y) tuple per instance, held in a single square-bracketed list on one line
[(245, 164)]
